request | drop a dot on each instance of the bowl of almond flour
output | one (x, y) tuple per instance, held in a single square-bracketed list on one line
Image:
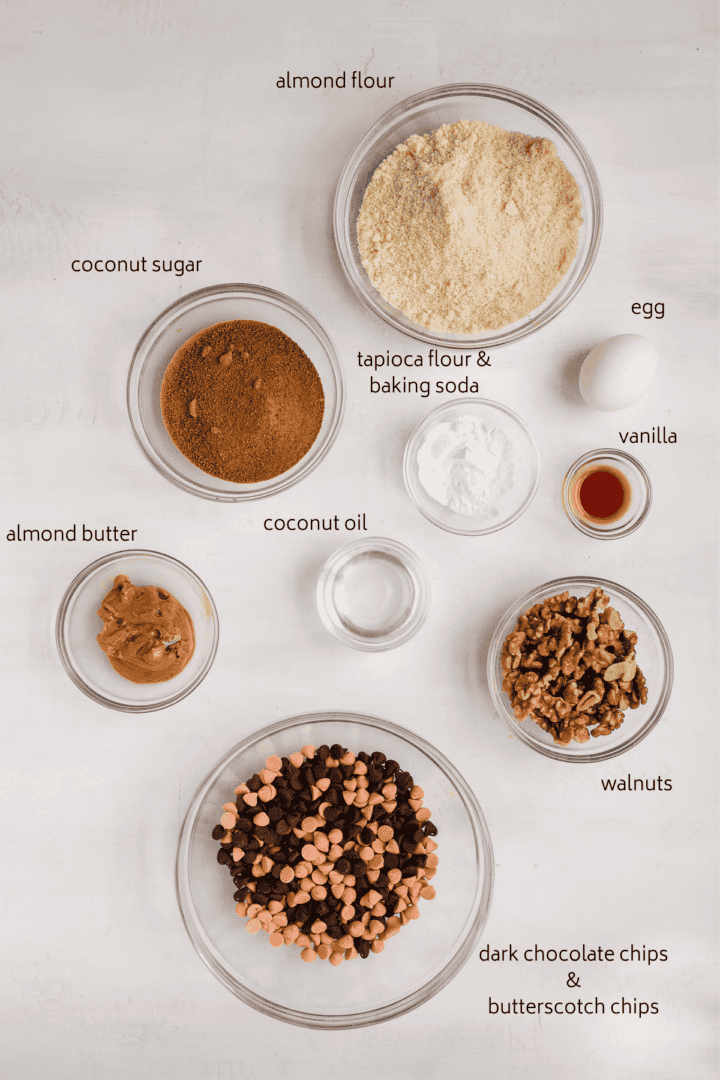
[(469, 214)]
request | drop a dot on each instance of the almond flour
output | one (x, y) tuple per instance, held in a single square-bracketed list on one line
[(469, 228)]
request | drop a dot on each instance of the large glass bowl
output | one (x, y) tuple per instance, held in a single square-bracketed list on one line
[(78, 625), (415, 964), (424, 113), (654, 658), (186, 317)]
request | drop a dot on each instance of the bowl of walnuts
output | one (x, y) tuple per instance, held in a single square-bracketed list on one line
[(580, 669)]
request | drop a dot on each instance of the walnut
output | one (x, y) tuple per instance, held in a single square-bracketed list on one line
[(570, 666)]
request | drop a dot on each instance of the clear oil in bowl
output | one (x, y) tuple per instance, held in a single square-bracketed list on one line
[(373, 594)]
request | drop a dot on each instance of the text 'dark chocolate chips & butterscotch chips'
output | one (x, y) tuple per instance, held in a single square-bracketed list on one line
[(570, 666), (329, 850)]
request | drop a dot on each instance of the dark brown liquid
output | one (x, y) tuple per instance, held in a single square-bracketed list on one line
[(602, 494)]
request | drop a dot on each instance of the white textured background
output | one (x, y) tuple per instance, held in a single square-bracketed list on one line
[(154, 127)]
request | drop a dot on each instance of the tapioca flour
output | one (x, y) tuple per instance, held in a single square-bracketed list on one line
[(467, 465)]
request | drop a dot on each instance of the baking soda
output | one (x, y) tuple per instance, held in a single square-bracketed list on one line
[(467, 465)]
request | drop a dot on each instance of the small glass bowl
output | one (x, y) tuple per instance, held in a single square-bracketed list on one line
[(513, 504), (640, 493), (654, 657), (188, 316), (373, 594), (423, 113), (78, 625), (415, 964)]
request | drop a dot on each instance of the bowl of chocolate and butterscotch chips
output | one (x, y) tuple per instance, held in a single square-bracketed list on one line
[(317, 832), (565, 670), (329, 850)]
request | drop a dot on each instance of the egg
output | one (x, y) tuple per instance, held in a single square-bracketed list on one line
[(617, 372)]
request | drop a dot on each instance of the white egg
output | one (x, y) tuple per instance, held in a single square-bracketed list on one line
[(617, 372)]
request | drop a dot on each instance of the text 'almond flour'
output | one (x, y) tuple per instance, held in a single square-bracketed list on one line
[(469, 228)]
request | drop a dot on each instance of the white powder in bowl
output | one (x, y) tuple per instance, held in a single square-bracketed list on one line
[(467, 465)]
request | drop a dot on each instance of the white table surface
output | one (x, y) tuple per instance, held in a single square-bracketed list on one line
[(155, 128)]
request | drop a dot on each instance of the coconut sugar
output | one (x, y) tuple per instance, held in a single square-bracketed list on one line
[(469, 228)]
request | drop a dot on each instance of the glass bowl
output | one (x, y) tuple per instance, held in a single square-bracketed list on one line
[(415, 964), (638, 497), (512, 504), (423, 113), (654, 657), (373, 594), (179, 322), (78, 625)]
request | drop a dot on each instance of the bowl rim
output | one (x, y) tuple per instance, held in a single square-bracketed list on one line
[(364, 1018), (417, 571), (275, 485), (586, 527), (348, 178), (434, 417), (500, 700), (76, 677)]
